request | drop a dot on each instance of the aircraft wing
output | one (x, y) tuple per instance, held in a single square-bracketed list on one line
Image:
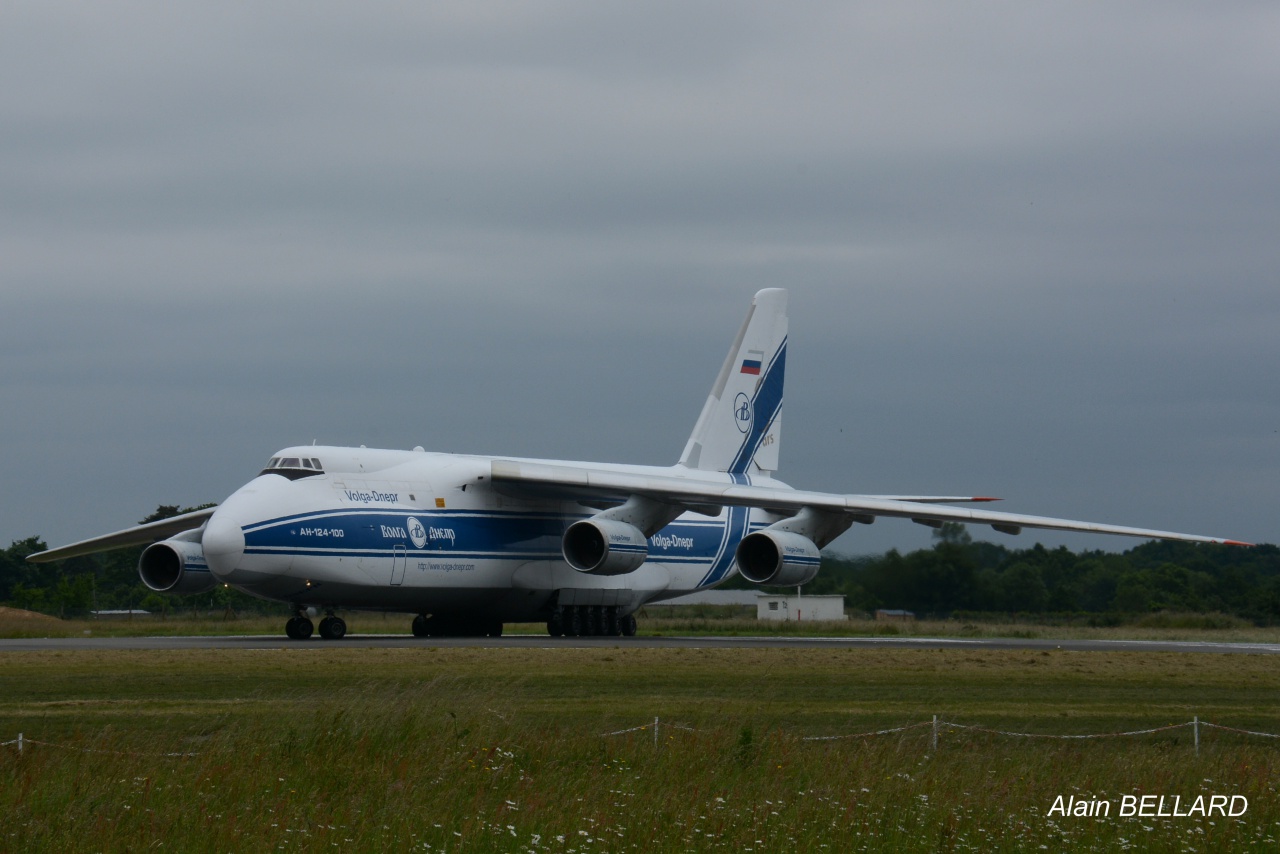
[(935, 499), (135, 536), (580, 483)]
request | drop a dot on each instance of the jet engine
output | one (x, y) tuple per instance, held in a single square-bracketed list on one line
[(175, 566), (778, 558), (604, 546)]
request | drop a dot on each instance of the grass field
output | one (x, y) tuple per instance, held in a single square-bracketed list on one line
[(433, 749)]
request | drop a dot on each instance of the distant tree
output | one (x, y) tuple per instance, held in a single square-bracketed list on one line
[(15, 570), (1133, 594), (953, 533), (1095, 585), (1023, 589)]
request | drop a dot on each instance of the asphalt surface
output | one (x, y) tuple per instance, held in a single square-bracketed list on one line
[(544, 642)]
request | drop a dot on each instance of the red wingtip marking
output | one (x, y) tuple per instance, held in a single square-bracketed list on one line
[(1235, 543), (983, 498)]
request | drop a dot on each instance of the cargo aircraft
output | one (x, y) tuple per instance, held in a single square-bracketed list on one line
[(468, 543)]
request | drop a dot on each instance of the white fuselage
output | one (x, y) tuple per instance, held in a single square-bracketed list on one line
[(427, 533)]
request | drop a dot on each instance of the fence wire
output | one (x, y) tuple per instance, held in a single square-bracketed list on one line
[(937, 725), (976, 728)]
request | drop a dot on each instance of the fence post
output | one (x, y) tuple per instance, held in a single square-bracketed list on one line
[(655, 732), (1195, 723), (934, 741)]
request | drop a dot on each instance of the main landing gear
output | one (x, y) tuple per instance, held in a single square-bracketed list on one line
[(590, 621), (299, 627), (333, 628)]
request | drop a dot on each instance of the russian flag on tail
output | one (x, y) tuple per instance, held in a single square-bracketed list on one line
[(751, 364)]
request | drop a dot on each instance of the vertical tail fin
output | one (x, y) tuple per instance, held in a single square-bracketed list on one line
[(740, 428)]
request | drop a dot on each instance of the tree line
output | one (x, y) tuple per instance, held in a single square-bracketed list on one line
[(103, 582), (959, 576), (956, 576)]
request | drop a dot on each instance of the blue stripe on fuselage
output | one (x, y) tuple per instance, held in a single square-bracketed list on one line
[(482, 534)]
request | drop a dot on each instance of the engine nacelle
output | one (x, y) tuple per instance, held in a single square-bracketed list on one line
[(778, 558), (604, 547), (175, 566)]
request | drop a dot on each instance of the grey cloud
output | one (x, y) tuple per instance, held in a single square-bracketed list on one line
[(1031, 249)]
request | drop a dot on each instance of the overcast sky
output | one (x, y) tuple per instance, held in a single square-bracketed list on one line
[(1032, 249)]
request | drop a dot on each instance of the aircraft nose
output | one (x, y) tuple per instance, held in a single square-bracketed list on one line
[(223, 544)]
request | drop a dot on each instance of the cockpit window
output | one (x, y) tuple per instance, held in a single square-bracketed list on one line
[(293, 467)]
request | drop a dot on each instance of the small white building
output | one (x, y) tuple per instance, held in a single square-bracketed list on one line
[(799, 608)]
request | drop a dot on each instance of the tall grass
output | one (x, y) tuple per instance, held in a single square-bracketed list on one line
[(474, 750), (428, 768)]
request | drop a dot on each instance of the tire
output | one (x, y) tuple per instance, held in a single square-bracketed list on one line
[(333, 628), (299, 628)]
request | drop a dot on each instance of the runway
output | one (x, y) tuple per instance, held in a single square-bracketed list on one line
[(544, 642)]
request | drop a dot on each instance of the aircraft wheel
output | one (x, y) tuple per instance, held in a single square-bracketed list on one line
[(573, 627), (299, 628), (612, 625), (495, 629), (420, 629), (555, 625), (628, 625), (333, 628)]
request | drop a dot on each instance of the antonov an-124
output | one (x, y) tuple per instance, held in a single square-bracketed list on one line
[(467, 543)]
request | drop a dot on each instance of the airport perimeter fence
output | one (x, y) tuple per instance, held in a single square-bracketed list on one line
[(937, 726), (21, 743)]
